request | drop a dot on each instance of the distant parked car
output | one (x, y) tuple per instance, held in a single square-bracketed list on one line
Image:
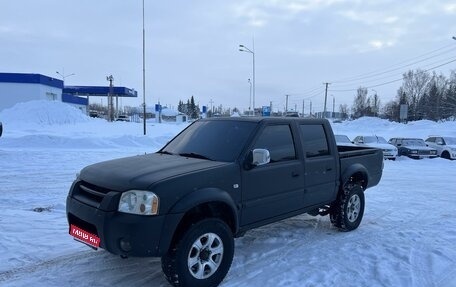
[(445, 146), (413, 148), (389, 151), (123, 118), (343, 140)]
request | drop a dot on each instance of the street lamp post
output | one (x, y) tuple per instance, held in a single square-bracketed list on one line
[(64, 76), (250, 98), (144, 69), (243, 48)]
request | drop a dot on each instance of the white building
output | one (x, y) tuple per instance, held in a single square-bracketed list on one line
[(16, 88)]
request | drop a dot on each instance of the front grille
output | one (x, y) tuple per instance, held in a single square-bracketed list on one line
[(90, 194)]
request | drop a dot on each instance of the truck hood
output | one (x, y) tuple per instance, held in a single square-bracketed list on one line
[(139, 172)]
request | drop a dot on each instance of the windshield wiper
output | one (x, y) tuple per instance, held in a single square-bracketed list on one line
[(194, 155), (165, 152)]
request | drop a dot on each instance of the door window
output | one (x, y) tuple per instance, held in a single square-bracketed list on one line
[(279, 141), (314, 140)]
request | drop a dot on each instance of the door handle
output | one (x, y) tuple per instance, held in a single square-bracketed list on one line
[(329, 169), (294, 174)]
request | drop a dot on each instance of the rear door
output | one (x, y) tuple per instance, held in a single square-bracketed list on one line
[(275, 188), (320, 166)]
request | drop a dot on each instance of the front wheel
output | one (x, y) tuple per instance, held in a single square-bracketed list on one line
[(202, 257), (347, 212)]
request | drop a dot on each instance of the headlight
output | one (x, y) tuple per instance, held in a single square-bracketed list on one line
[(139, 202)]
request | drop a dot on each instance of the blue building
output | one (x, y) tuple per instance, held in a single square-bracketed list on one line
[(17, 87)]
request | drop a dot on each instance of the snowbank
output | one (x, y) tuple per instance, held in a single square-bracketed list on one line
[(43, 113), (50, 125)]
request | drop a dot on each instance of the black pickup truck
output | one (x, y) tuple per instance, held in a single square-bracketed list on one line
[(213, 182)]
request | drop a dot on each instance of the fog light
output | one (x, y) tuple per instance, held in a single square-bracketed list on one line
[(125, 245)]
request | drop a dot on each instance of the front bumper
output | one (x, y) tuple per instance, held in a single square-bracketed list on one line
[(124, 234)]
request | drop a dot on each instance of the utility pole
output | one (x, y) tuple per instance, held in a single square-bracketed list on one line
[(310, 111), (303, 108), (326, 97), (212, 111), (286, 103), (334, 104), (110, 78)]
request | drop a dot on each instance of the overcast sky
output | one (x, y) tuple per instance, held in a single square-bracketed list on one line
[(192, 46)]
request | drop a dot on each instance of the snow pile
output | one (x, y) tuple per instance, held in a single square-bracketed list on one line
[(55, 125), (43, 113)]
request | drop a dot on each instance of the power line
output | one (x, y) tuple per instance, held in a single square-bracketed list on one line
[(393, 81), (382, 71), (395, 75), (392, 70)]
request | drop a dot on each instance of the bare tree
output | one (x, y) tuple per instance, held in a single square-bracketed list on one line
[(343, 109), (415, 86), (374, 102), (360, 104)]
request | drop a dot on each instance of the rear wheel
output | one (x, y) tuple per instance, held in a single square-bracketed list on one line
[(347, 212), (446, 155), (202, 257)]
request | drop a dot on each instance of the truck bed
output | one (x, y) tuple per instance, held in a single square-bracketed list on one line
[(370, 158)]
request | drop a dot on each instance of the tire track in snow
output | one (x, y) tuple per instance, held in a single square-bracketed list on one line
[(30, 268), (87, 268)]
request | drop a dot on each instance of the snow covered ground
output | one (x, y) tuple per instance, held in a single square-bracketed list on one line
[(407, 237)]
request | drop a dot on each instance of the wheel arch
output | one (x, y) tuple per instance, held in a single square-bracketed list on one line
[(355, 173), (205, 203)]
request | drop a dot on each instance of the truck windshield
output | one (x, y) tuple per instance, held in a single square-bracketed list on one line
[(213, 140)]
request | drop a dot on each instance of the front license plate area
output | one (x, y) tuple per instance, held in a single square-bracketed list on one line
[(84, 236)]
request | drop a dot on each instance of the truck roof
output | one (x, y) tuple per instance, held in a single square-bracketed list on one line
[(267, 119)]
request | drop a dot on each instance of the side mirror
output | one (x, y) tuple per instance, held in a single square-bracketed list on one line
[(260, 157)]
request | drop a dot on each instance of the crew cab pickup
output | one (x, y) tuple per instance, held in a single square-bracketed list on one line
[(214, 181)]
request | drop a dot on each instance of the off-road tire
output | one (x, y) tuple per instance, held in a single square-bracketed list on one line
[(175, 263), (347, 212)]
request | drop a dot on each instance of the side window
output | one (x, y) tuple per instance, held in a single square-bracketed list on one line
[(314, 140), (279, 141), (432, 140)]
